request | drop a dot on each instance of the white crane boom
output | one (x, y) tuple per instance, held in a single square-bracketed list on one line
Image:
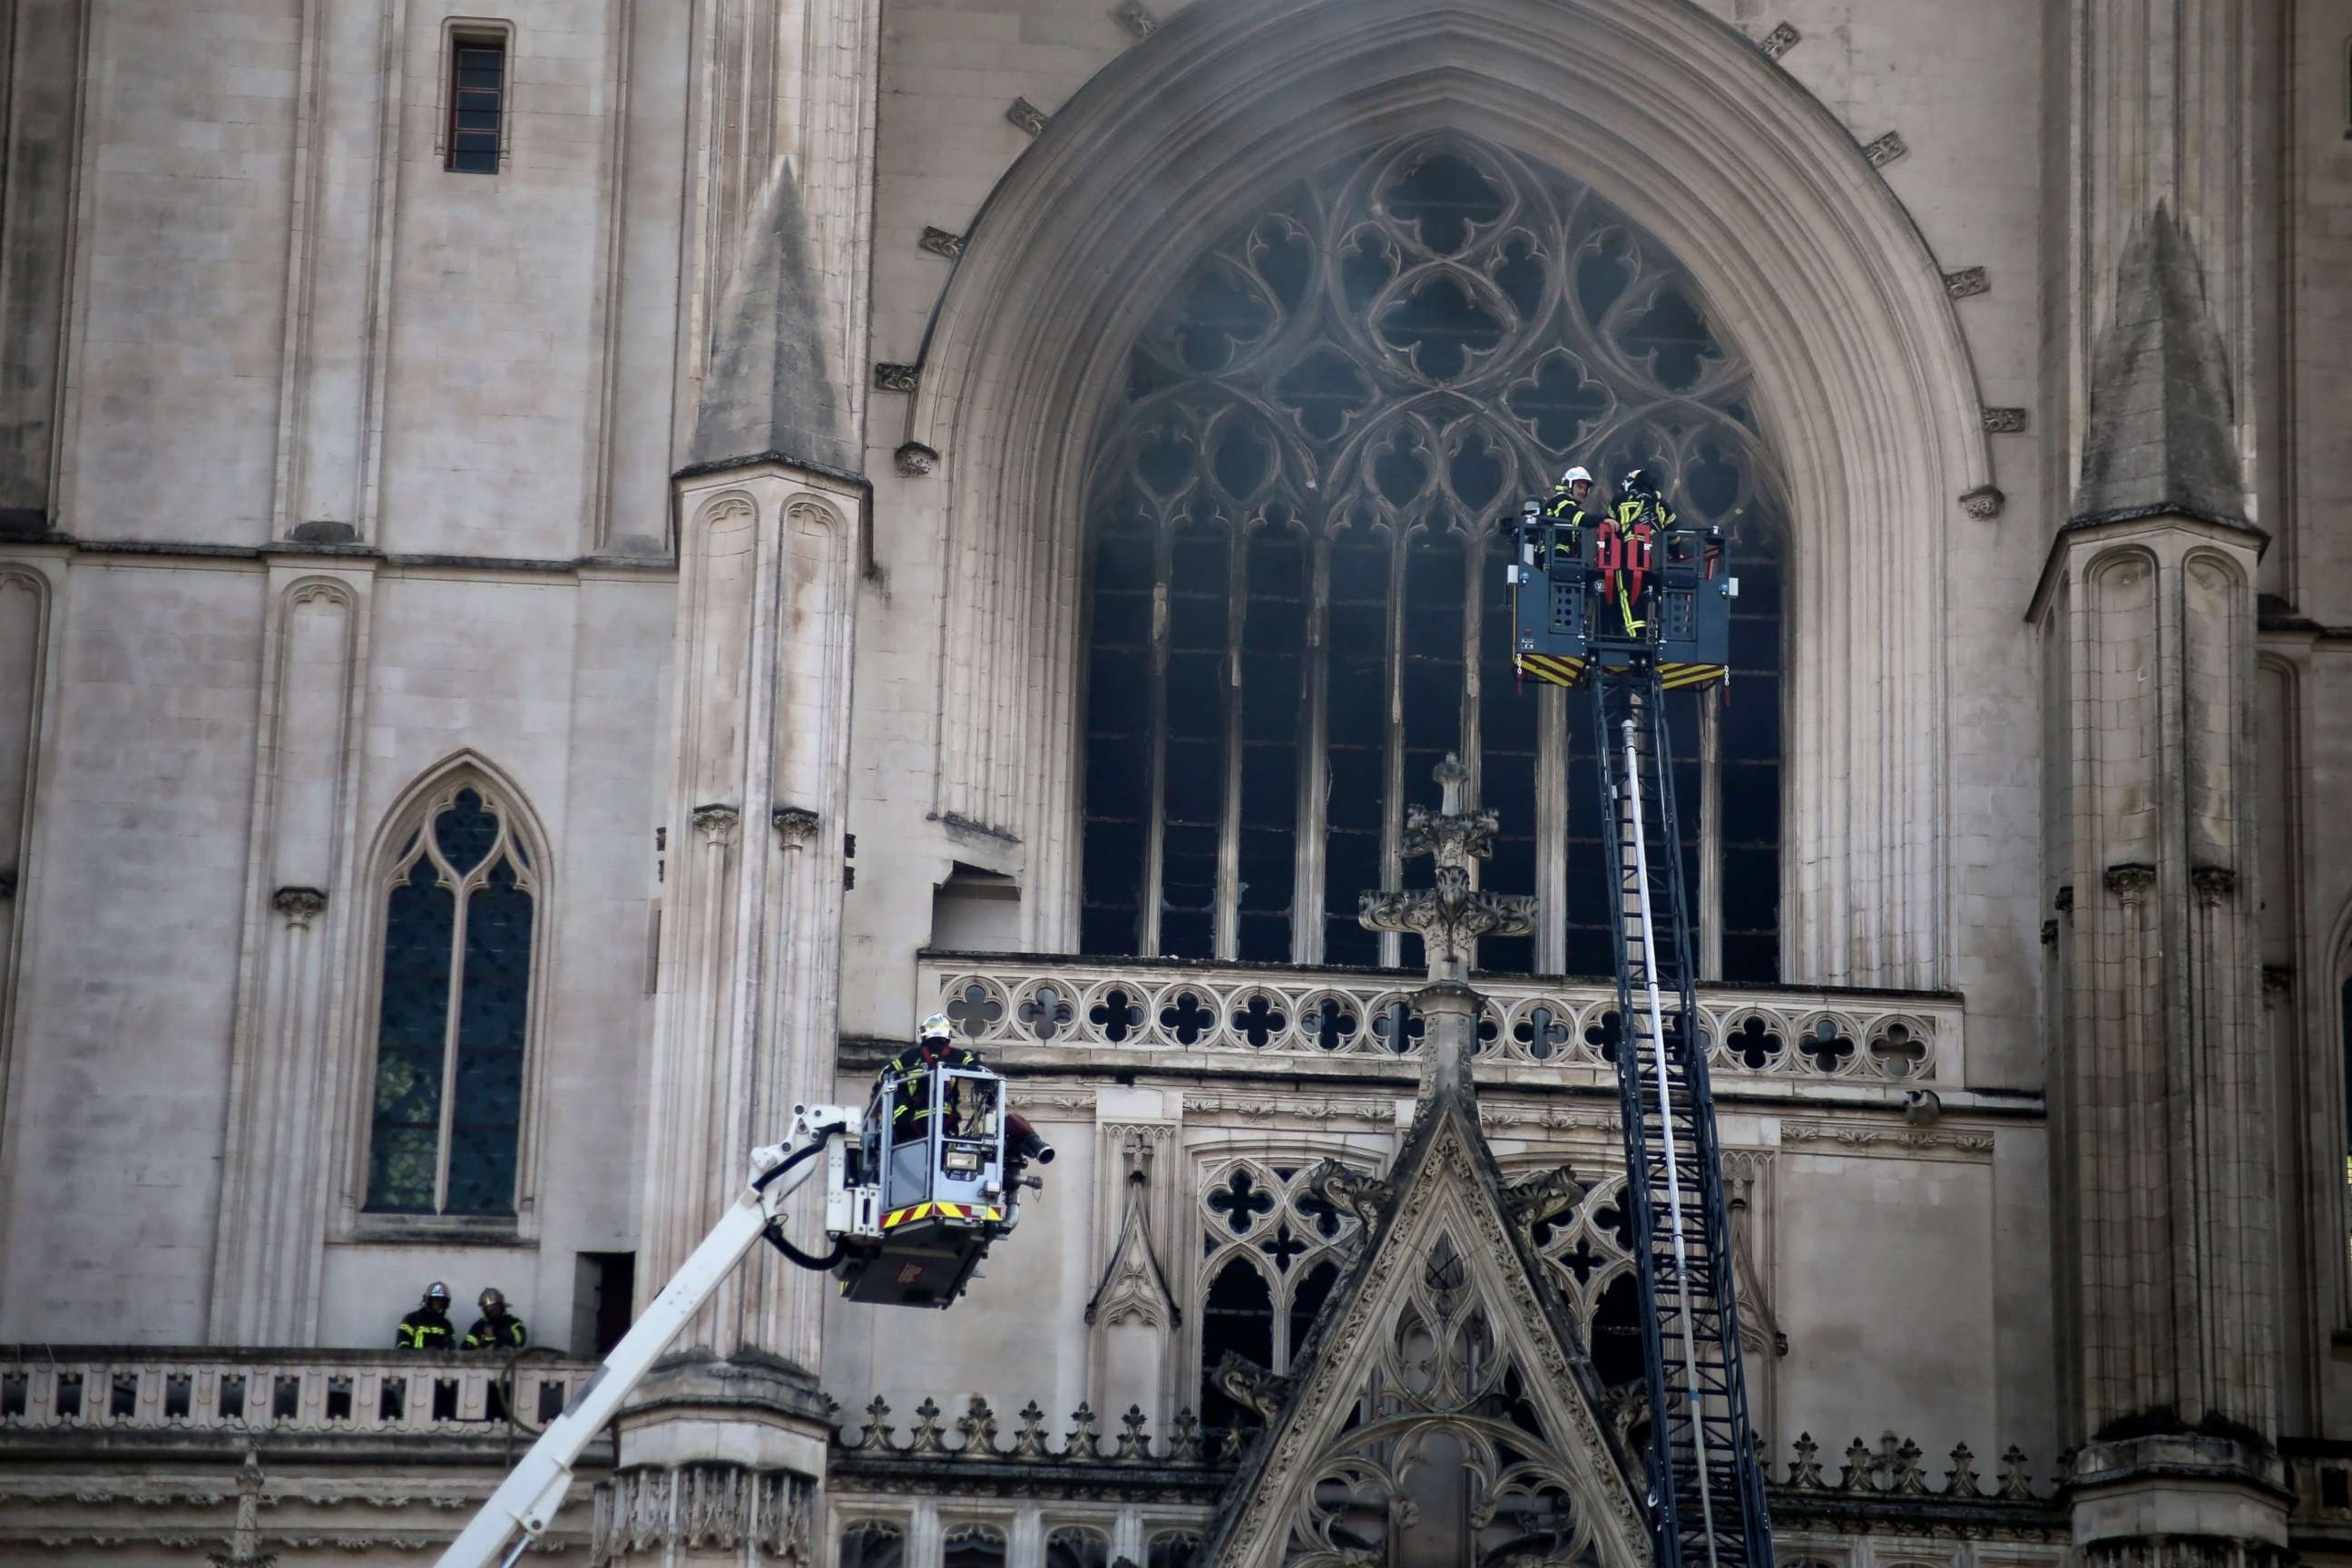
[(527, 1499)]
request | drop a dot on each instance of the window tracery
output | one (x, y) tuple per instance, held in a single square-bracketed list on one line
[(1272, 1250), (873, 1543), (1296, 592), (453, 1011)]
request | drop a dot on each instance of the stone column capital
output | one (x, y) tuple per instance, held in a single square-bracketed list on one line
[(300, 906), (2130, 881), (716, 824), (795, 826)]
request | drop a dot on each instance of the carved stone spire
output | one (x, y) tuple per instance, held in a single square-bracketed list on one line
[(1452, 915), (1448, 917)]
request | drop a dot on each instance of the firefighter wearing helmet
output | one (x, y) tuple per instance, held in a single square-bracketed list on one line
[(1624, 543), (910, 1107), (428, 1328)]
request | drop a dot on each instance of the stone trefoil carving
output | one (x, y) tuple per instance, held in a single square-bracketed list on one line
[(1885, 150), (300, 906), (1451, 916), (1134, 1287), (1779, 41)]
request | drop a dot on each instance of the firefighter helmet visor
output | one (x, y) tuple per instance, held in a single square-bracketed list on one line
[(936, 1027)]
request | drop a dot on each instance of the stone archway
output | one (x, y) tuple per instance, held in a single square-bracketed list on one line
[(1863, 384)]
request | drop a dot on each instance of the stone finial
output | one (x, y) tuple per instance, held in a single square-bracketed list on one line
[(2014, 1485), (1029, 1443), (875, 1439), (1858, 1464), (1910, 1477), (977, 1424), (1805, 1470), (1085, 1446), (1184, 1438), (1452, 915), (1134, 1447), (1960, 1480), (928, 1430)]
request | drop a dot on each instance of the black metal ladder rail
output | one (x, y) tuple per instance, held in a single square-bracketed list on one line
[(1708, 1485)]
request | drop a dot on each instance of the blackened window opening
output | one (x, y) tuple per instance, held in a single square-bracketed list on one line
[(477, 96), (1296, 600)]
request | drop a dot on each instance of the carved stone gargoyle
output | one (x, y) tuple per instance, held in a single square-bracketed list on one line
[(1251, 1386), (1532, 1200), (1350, 1191)]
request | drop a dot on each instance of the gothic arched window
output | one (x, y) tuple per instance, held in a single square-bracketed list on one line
[(1271, 1253), (453, 1011), (1297, 602)]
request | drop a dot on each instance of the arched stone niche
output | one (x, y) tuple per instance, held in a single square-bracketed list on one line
[(1864, 386)]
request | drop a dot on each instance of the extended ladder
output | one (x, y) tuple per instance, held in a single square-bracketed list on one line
[(1709, 1489)]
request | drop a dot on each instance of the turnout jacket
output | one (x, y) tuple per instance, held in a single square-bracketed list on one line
[(912, 1103), (425, 1330), (503, 1332)]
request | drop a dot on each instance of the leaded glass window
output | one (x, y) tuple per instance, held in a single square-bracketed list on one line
[(1297, 605), (453, 1014), (1271, 1250)]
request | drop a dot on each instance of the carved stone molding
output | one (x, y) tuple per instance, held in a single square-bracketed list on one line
[(941, 242), (2004, 421), (1374, 1112), (1028, 116), (1966, 283), (1984, 502), (1136, 19), (1885, 150), (915, 460), (1779, 41), (1532, 1200), (795, 826), (889, 377), (1350, 1191), (2213, 884), (300, 906), (2129, 880), (1890, 1140), (703, 1507), (716, 824)]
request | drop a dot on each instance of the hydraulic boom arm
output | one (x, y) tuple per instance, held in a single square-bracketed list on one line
[(527, 1499)]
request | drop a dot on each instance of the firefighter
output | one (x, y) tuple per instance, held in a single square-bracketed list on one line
[(1565, 513), (497, 1329), (910, 1107), (1622, 544), (428, 1328)]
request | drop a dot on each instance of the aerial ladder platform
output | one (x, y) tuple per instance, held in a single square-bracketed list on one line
[(1621, 610)]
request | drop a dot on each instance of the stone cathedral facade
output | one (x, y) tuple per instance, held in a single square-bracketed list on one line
[(570, 568)]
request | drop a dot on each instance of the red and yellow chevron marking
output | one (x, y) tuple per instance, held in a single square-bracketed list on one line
[(897, 1217), (1678, 677), (1544, 667)]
